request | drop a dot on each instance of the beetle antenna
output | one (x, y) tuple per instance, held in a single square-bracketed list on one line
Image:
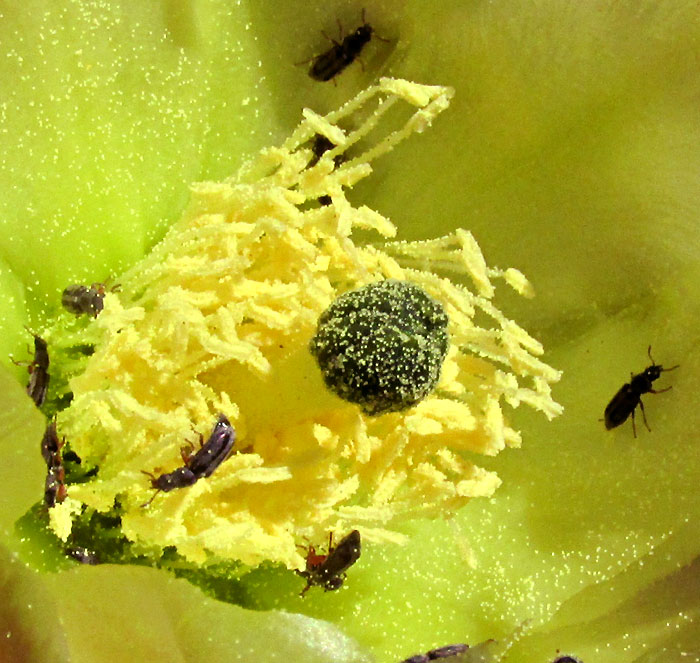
[(147, 504)]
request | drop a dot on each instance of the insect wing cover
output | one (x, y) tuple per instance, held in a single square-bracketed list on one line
[(447, 651), (215, 449), (328, 65), (50, 444), (38, 384), (620, 407), (343, 556)]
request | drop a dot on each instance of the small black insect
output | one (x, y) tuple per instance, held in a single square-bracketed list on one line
[(435, 654), (626, 400), (38, 370), (83, 555), (328, 571), (84, 300), (319, 147), (200, 464), (54, 486), (343, 53)]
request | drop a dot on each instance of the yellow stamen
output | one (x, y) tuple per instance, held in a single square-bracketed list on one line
[(218, 318)]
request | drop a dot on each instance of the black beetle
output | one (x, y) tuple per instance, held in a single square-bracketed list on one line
[(328, 571), (319, 147), (329, 64), (38, 370), (626, 400), (434, 654), (199, 465)]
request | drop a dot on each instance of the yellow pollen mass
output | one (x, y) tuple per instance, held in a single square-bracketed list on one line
[(218, 318)]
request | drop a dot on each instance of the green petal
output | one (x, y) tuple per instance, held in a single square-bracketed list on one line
[(114, 110), (149, 616)]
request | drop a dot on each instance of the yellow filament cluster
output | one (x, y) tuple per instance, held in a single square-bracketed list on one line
[(218, 318)]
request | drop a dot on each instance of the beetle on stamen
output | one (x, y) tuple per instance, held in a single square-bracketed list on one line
[(200, 464), (55, 490)]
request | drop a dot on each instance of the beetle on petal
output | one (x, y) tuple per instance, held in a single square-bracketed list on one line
[(328, 571), (626, 400)]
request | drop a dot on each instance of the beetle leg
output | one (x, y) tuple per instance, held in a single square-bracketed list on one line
[(148, 474), (153, 479), (330, 39), (186, 453), (298, 64), (187, 450), (147, 504), (660, 391), (634, 427), (644, 416)]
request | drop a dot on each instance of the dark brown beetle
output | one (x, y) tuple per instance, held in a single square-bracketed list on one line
[(38, 370), (200, 464), (54, 486), (50, 444), (328, 571), (329, 64), (435, 654), (55, 490), (568, 659), (626, 400), (84, 300)]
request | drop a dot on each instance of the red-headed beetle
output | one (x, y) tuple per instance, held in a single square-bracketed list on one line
[(328, 571), (85, 300)]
